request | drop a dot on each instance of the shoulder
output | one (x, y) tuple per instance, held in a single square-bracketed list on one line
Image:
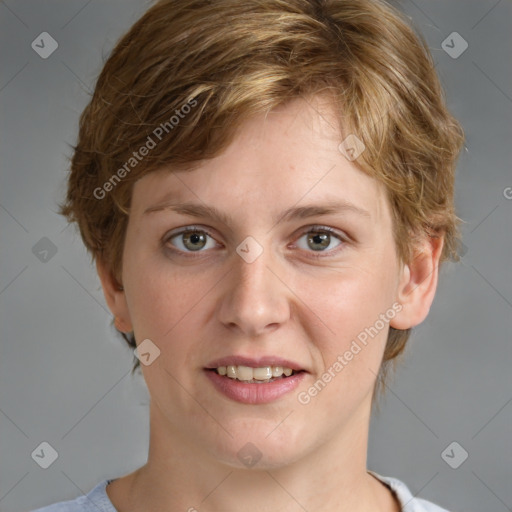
[(408, 502), (96, 500)]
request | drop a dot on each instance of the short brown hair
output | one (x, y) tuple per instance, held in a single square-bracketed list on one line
[(229, 60)]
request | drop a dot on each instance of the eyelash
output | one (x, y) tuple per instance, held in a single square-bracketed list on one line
[(311, 229)]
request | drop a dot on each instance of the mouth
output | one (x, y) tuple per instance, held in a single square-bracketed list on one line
[(254, 381), (259, 375)]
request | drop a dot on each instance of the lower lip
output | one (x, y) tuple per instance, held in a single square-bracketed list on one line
[(254, 393)]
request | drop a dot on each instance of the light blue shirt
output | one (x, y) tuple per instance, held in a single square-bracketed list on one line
[(97, 499)]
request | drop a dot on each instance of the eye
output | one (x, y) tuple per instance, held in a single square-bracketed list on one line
[(191, 239), (320, 238)]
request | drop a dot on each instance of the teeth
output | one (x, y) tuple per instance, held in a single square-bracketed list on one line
[(231, 372), (246, 373), (277, 371), (262, 373)]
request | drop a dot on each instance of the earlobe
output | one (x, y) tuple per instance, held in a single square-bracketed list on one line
[(120, 325), (418, 284), (114, 296)]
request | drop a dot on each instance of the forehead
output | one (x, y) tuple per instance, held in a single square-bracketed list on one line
[(289, 156)]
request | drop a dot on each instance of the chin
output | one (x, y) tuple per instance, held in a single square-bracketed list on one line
[(260, 447)]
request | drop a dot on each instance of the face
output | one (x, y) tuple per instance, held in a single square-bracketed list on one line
[(248, 286)]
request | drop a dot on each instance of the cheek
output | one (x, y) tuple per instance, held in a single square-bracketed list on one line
[(351, 307), (162, 296), (348, 359)]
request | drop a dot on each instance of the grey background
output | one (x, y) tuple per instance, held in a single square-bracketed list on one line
[(65, 376)]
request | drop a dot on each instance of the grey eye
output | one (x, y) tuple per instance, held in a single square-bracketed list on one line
[(319, 240), (192, 240)]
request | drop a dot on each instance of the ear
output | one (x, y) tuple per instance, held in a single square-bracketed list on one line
[(418, 283), (115, 297)]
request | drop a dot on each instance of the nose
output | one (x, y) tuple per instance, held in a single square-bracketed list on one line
[(255, 299)]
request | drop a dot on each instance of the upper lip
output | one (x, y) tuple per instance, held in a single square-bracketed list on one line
[(254, 362)]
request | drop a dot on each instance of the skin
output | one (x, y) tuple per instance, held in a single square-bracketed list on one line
[(197, 306)]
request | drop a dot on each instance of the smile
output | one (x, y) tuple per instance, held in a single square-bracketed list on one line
[(254, 381), (255, 375)]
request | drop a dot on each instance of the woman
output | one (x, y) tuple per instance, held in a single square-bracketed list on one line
[(267, 190)]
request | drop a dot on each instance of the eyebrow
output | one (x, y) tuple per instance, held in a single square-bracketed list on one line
[(298, 212)]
